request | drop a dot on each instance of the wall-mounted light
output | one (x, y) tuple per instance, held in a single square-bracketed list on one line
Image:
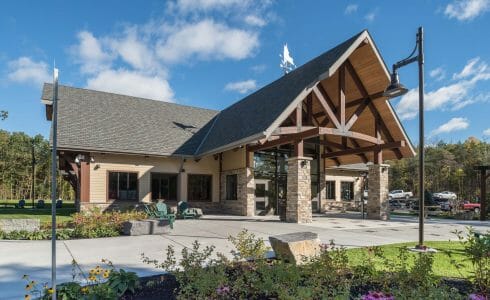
[(97, 166)]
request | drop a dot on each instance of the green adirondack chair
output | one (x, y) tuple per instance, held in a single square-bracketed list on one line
[(162, 213), (183, 211), (150, 210)]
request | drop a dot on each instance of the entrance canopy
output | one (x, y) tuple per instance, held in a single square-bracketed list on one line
[(335, 100)]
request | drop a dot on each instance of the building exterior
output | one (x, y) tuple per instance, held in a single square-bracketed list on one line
[(275, 151)]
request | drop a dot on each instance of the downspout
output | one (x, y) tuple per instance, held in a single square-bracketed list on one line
[(180, 184)]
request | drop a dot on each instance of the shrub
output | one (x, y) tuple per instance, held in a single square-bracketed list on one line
[(477, 249)]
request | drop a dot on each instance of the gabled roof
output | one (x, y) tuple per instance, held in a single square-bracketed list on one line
[(251, 116), (106, 122), (99, 121)]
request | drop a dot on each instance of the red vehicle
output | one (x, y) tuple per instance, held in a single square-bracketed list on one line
[(472, 206)]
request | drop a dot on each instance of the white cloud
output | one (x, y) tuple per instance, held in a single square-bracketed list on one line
[(89, 53), (438, 73), (369, 17), (466, 10), (132, 83), (486, 132), (474, 66), (454, 124), (254, 20), (351, 8), (135, 50), (456, 95), (242, 87), (208, 40), (25, 70)]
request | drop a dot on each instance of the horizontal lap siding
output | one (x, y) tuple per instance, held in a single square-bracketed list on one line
[(144, 167)]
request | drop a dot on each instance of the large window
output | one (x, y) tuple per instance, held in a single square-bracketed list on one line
[(123, 186), (231, 187), (163, 187), (199, 188), (330, 189), (347, 190)]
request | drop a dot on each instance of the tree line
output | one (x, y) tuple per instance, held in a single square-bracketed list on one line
[(448, 167), (25, 168)]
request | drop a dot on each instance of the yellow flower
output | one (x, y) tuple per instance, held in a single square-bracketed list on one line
[(92, 272), (106, 274), (25, 276), (28, 287), (84, 290), (92, 278), (50, 291), (27, 297)]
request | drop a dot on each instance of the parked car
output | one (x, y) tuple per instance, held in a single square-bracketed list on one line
[(471, 206), (399, 194), (445, 205), (445, 195)]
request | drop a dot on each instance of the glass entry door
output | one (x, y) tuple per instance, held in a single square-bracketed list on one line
[(261, 194)]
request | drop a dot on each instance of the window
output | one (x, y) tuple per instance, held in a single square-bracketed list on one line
[(123, 186), (231, 187), (163, 187), (199, 187), (330, 189), (347, 190)]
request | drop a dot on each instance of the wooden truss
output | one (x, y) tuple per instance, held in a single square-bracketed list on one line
[(336, 122)]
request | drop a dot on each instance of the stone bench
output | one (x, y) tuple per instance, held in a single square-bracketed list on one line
[(145, 227), (295, 247), (30, 225)]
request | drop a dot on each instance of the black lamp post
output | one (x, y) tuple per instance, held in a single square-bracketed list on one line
[(396, 89)]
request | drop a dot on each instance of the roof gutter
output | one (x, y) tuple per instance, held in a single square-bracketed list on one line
[(244, 141)]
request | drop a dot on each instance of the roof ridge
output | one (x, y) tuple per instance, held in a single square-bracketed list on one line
[(129, 96)]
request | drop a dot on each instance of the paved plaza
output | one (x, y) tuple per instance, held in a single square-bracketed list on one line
[(33, 257)]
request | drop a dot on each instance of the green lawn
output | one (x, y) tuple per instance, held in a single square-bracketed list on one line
[(442, 263), (62, 214)]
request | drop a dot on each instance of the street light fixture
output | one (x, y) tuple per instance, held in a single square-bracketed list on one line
[(396, 89)]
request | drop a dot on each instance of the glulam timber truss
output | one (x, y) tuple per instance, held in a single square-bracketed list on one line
[(331, 120)]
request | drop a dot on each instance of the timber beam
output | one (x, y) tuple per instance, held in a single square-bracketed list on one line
[(352, 151)]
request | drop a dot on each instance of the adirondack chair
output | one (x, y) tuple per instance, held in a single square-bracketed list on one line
[(150, 210), (162, 213), (183, 211)]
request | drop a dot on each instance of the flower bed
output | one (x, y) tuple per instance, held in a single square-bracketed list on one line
[(92, 224), (203, 274)]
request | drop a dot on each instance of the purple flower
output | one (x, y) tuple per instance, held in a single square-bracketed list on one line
[(223, 290), (377, 296), (477, 297)]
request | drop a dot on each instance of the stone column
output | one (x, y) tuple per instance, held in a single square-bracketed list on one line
[(298, 206), (244, 205), (378, 205)]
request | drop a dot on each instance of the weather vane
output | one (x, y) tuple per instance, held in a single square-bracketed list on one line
[(287, 62)]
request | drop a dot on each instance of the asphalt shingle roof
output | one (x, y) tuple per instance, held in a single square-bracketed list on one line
[(100, 121), (256, 112)]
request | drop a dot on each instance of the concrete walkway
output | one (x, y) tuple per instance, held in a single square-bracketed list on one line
[(34, 257)]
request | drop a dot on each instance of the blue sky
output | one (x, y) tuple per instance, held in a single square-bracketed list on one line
[(211, 53)]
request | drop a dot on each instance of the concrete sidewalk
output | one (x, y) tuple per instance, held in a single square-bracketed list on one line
[(34, 257)]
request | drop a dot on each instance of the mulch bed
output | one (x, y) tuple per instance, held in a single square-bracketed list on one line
[(164, 287)]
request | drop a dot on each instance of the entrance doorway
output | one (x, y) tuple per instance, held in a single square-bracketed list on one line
[(163, 187), (261, 194)]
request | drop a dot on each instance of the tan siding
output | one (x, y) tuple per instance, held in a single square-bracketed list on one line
[(233, 159), (144, 167)]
